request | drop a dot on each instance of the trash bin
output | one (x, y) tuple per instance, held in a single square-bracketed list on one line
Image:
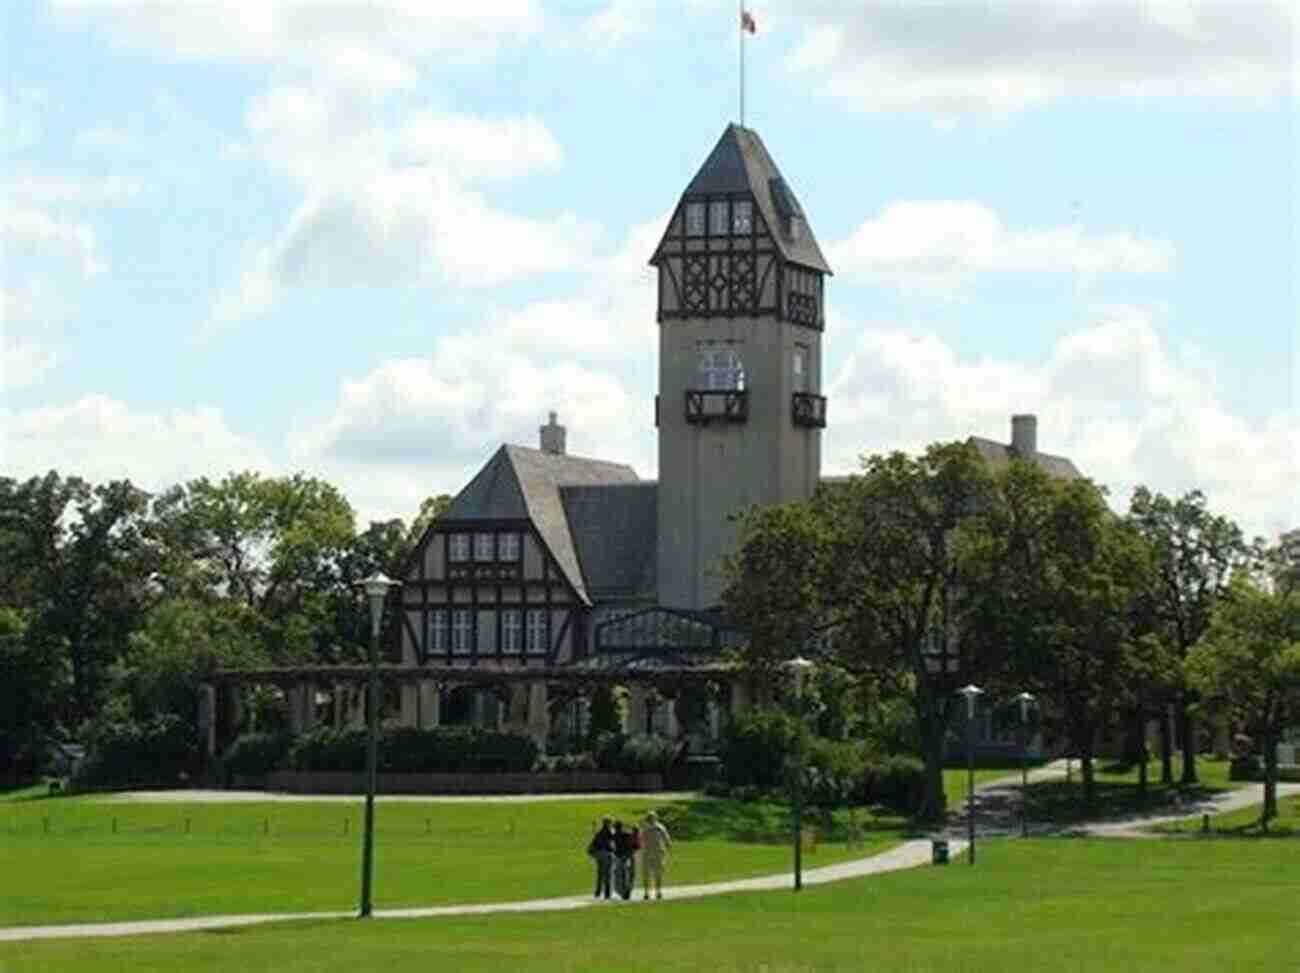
[(939, 850)]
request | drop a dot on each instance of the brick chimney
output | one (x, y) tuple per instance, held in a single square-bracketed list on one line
[(552, 437), (1024, 435)]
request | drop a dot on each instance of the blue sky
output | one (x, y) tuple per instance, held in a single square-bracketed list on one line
[(373, 240)]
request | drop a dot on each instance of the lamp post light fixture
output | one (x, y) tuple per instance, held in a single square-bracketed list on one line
[(376, 588), (1026, 700), (799, 667), (972, 693)]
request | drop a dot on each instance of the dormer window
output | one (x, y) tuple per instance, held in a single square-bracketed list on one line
[(695, 219), (742, 217), (718, 218)]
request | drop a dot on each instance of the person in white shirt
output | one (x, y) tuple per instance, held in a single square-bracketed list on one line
[(656, 845)]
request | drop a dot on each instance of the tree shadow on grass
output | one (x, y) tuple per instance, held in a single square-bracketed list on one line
[(1062, 803), (769, 822)]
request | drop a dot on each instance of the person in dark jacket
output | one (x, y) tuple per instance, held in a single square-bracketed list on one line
[(625, 843), (601, 850)]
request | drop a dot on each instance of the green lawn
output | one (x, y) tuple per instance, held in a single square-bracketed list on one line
[(75, 859), (1060, 905)]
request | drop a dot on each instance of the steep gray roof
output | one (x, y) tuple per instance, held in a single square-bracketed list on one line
[(999, 456), (740, 163), (518, 483), (615, 528)]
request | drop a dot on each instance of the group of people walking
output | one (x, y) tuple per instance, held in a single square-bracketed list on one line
[(614, 848)]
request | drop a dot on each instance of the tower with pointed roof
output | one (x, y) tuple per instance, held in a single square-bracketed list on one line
[(740, 409)]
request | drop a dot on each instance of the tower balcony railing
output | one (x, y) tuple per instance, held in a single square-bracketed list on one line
[(808, 410), (716, 405)]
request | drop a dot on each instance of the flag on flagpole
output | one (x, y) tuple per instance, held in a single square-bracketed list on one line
[(747, 22)]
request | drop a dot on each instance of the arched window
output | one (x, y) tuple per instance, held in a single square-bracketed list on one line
[(721, 369)]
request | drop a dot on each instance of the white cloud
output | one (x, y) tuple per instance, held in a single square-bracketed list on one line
[(29, 232), (941, 242), (29, 313), (412, 427), (388, 207), (377, 44), (46, 189), (478, 149), (24, 361), (1111, 397), (101, 438), (960, 57)]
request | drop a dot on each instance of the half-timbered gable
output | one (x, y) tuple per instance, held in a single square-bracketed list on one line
[(496, 581)]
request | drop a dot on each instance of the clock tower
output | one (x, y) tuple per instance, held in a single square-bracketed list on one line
[(740, 409)]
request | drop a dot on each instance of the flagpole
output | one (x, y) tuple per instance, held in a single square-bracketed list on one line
[(740, 19)]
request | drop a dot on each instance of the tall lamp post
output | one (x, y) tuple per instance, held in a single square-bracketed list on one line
[(1025, 700), (972, 693), (799, 667), (376, 588)]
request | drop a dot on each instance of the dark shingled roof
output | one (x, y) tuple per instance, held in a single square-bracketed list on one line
[(518, 483), (615, 529), (740, 163), (999, 456)]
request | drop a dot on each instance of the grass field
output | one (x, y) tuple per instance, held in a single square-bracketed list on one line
[(1067, 906), (75, 859)]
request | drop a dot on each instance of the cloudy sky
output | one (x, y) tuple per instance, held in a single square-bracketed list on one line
[(371, 240)]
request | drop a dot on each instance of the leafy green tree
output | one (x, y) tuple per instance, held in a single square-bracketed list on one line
[(431, 508), (872, 576), (76, 560), (1195, 554), (776, 584), (1087, 657), (273, 546), (898, 584), (1249, 657), (32, 681)]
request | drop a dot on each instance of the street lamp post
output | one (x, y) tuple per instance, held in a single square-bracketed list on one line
[(376, 588), (799, 666), (1025, 700), (972, 693)]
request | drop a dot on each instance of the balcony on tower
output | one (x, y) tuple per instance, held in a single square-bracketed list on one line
[(808, 410), (704, 406)]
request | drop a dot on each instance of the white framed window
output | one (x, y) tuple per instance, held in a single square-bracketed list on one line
[(718, 225), (535, 636), (508, 547), (458, 547), (462, 632), (437, 632), (695, 219), (512, 635), (721, 369), (799, 369), (742, 217), (484, 547)]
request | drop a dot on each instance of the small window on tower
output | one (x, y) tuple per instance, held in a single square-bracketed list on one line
[(695, 219), (718, 218), (742, 217), (800, 369), (721, 370)]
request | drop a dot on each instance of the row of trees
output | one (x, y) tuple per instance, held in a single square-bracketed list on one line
[(924, 573), (114, 602)]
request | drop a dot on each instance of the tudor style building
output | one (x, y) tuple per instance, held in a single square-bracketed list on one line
[(551, 573), (547, 560)]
